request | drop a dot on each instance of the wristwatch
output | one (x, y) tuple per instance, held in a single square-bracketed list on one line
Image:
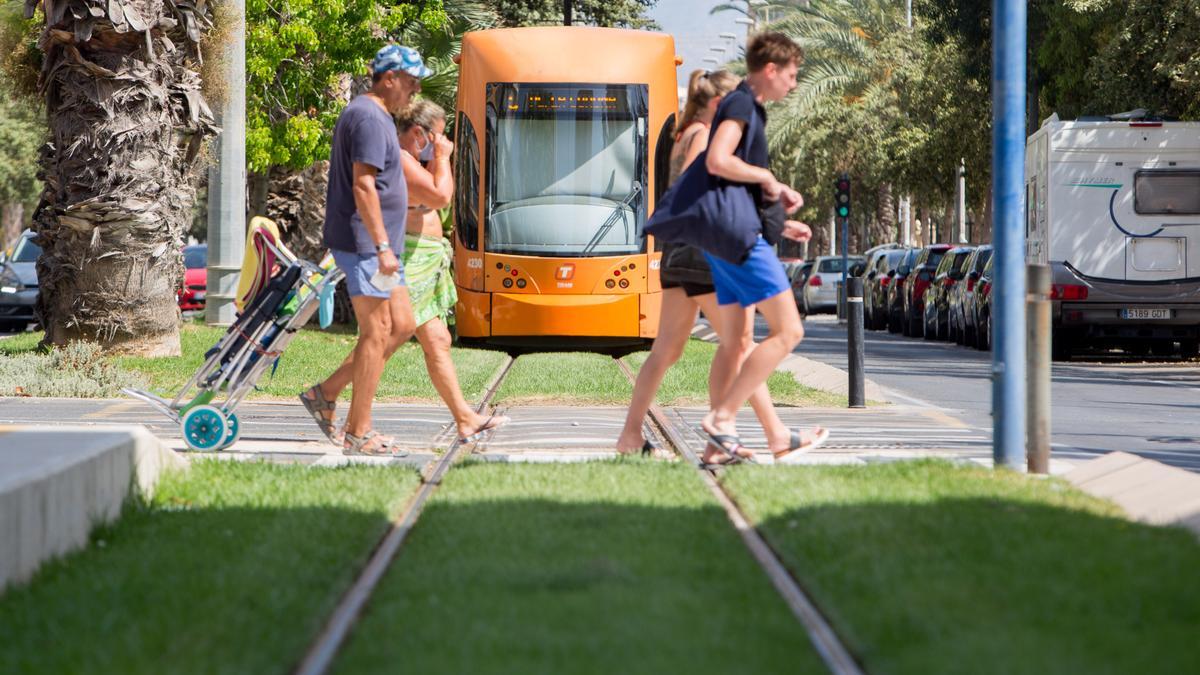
[(380, 248)]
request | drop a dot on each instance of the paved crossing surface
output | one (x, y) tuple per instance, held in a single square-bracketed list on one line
[(282, 431)]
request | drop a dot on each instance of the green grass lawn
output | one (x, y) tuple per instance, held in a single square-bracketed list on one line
[(686, 383), (231, 568), (572, 378), (931, 568), (311, 356), (616, 567)]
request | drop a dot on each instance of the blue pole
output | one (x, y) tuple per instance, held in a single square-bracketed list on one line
[(842, 308), (1008, 178)]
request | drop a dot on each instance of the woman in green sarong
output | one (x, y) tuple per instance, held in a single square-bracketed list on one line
[(427, 256)]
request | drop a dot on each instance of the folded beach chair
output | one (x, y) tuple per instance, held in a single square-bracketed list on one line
[(277, 295)]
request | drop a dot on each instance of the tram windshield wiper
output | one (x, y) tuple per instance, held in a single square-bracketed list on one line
[(609, 222)]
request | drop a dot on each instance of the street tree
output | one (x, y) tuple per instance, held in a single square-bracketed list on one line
[(127, 125), (608, 13)]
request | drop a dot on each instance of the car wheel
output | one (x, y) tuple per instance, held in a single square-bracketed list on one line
[(1060, 347), (1162, 348), (893, 322), (981, 334), (928, 331), (1189, 349)]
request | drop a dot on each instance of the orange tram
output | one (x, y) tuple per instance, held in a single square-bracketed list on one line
[(562, 136)]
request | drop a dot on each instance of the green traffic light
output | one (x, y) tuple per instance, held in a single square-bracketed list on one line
[(843, 211)]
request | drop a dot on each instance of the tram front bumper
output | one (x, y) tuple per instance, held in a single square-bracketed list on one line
[(570, 315)]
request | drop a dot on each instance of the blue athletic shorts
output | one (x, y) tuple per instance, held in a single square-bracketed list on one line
[(761, 276), (359, 268)]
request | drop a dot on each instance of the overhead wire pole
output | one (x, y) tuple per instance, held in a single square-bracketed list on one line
[(227, 184), (1008, 177)]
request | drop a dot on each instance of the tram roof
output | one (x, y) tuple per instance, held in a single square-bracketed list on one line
[(560, 53)]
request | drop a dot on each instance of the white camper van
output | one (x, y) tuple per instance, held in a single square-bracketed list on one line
[(1113, 206)]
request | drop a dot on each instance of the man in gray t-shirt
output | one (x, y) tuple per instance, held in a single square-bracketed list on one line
[(365, 212)]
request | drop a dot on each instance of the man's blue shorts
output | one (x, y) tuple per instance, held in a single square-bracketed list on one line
[(359, 268), (759, 277)]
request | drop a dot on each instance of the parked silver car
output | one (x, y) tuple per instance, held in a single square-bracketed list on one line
[(19, 284)]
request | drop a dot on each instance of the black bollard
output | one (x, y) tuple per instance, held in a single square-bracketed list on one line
[(854, 341)]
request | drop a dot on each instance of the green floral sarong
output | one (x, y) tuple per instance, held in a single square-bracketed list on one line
[(430, 282)]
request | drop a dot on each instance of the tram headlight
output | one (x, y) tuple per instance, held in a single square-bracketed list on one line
[(624, 283), (507, 282), (520, 283), (609, 283)]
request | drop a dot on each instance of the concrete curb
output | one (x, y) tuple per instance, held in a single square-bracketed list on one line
[(1148, 491), (56, 484), (807, 372)]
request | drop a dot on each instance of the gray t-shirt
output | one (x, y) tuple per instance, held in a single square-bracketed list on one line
[(364, 133)]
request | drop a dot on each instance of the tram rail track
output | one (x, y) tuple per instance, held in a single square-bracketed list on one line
[(820, 632), (324, 649)]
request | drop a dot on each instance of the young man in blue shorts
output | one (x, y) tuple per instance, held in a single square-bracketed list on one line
[(772, 60), (365, 212)]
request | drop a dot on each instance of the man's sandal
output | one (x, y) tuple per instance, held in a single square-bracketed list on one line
[(316, 404), (371, 444), (796, 449)]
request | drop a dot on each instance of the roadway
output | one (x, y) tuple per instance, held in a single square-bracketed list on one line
[(1099, 406)]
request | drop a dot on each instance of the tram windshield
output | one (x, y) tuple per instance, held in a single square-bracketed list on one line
[(567, 169)]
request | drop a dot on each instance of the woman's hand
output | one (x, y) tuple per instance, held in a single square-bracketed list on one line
[(796, 230), (442, 146), (773, 190), (792, 200)]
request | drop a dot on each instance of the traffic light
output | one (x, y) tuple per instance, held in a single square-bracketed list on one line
[(841, 201)]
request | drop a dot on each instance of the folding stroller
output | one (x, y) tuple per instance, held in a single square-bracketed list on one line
[(277, 295)]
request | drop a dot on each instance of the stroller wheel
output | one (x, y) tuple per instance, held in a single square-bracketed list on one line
[(204, 428), (234, 431)]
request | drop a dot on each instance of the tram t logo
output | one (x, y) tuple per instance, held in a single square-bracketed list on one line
[(565, 272)]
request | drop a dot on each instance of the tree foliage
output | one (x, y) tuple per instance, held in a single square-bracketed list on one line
[(899, 109), (301, 56), (22, 132), (608, 13)]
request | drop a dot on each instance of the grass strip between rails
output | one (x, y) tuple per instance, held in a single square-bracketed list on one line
[(614, 567), (230, 568), (686, 383), (571, 378), (926, 567), (310, 357)]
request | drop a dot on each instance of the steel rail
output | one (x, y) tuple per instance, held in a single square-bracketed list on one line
[(824, 639), (325, 647)]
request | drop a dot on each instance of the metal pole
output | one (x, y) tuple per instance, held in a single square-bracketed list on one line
[(906, 204), (227, 185), (908, 12), (854, 343), (845, 263), (960, 203), (1008, 176), (568, 11), (1037, 307)]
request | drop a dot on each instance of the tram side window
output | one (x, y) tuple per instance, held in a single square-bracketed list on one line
[(662, 164), (466, 196)]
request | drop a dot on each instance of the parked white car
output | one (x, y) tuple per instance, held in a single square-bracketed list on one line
[(820, 291)]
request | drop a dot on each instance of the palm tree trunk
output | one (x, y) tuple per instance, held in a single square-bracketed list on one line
[(12, 218), (885, 216), (127, 124)]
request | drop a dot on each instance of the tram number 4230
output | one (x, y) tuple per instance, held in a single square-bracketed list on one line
[(1141, 313)]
